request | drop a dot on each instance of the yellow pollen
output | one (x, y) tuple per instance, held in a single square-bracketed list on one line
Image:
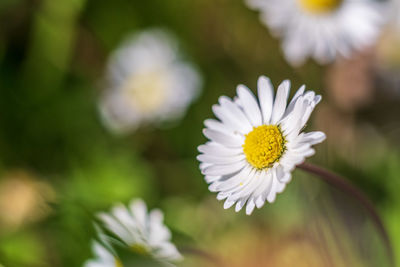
[(319, 6), (146, 91), (264, 145)]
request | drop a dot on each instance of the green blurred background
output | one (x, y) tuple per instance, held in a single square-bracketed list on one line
[(59, 165)]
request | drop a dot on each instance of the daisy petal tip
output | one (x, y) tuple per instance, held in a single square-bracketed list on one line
[(228, 204), (323, 136), (317, 99), (206, 131), (250, 209), (286, 83), (198, 157), (242, 89), (263, 78), (213, 187), (221, 196), (264, 83), (223, 99), (238, 207), (271, 198), (320, 137), (260, 202), (301, 90)]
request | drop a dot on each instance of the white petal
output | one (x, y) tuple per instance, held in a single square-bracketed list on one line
[(236, 112), (231, 123), (265, 95), (229, 112), (139, 211), (248, 187), (293, 132), (294, 99), (210, 179), (313, 137), (294, 117), (218, 126), (291, 159), (264, 189), (219, 150), (280, 101), (168, 251), (228, 204), (234, 181), (282, 175), (249, 105), (260, 201), (222, 195), (276, 188), (101, 252), (250, 206), (239, 205), (114, 226), (220, 160), (125, 218), (158, 232), (224, 169), (224, 139)]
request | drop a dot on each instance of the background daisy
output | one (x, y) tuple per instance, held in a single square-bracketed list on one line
[(256, 144), (148, 82), (396, 13), (103, 257), (321, 29), (142, 232)]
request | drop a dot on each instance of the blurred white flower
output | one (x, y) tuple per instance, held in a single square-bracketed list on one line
[(142, 232), (255, 145), (103, 258), (322, 29), (148, 82), (396, 13)]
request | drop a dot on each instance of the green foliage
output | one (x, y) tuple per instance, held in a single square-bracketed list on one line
[(22, 249)]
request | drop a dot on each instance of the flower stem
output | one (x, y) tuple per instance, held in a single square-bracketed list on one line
[(344, 185)]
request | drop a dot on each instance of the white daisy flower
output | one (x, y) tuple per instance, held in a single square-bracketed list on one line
[(322, 29), (103, 257), (396, 13), (255, 145), (141, 231), (148, 82)]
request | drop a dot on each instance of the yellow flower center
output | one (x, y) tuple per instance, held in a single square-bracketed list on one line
[(264, 145), (118, 263), (146, 91), (139, 249), (319, 6)]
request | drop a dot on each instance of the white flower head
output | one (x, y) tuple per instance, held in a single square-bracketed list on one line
[(142, 231), (255, 145), (322, 29), (148, 82), (103, 257)]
